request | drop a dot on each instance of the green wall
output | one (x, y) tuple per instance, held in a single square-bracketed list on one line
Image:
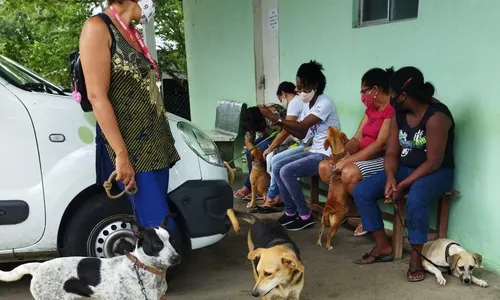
[(456, 45), (219, 41)]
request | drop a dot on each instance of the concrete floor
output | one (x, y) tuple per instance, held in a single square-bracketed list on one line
[(222, 271)]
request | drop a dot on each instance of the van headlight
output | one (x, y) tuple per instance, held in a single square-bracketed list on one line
[(200, 143)]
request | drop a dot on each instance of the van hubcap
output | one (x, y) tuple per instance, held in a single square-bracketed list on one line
[(111, 237)]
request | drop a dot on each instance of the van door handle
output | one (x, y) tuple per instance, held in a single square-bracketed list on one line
[(57, 138)]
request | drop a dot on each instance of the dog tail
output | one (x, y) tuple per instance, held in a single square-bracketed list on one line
[(19, 272), (233, 216)]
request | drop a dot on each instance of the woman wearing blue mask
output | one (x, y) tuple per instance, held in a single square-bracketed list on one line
[(133, 135), (419, 160)]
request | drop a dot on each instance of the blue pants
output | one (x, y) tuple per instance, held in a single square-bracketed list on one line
[(263, 147), (273, 190), (368, 191), (150, 201), (286, 173)]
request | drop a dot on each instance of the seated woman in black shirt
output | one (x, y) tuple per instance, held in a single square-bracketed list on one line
[(419, 161)]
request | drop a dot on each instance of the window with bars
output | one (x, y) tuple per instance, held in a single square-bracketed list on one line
[(375, 12)]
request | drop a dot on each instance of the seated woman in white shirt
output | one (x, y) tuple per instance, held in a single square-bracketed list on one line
[(283, 144), (321, 113)]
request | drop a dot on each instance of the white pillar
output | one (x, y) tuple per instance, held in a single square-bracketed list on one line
[(150, 38)]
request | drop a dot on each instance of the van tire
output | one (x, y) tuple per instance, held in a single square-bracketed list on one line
[(90, 214)]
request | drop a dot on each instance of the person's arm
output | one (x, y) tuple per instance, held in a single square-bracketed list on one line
[(282, 136), (393, 150), (374, 148), (437, 135), (95, 55), (353, 144)]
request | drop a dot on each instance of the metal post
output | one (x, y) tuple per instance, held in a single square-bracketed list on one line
[(149, 33)]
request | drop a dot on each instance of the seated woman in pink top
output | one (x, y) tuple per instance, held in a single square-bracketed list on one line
[(367, 146)]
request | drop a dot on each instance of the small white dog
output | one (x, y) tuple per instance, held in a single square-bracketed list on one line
[(448, 253), (128, 276)]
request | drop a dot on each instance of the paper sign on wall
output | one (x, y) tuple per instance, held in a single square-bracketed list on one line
[(273, 19)]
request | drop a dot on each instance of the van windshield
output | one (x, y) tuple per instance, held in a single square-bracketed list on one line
[(26, 79)]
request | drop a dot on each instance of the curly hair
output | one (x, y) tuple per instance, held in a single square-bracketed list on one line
[(311, 73)]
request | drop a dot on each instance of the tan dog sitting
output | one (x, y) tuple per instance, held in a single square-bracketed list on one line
[(448, 253), (259, 178), (338, 200)]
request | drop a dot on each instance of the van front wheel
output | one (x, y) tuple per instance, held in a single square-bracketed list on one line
[(101, 228)]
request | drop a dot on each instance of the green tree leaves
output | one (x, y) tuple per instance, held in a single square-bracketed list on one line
[(41, 34)]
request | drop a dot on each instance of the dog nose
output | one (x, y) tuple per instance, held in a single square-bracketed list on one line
[(255, 293), (175, 260), (467, 280)]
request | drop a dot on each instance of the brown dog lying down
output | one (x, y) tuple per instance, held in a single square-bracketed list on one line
[(276, 262), (259, 178), (338, 200)]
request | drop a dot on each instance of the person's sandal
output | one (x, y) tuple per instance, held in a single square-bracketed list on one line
[(359, 231), (411, 273), (376, 259), (239, 195), (264, 210)]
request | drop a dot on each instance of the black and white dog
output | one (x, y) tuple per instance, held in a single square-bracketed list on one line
[(117, 278)]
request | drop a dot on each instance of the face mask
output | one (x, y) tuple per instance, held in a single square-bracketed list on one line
[(367, 99), (397, 105), (284, 103), (148, 10), (307, 97)]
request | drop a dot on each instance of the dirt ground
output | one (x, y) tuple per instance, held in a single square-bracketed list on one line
[(222, 271)]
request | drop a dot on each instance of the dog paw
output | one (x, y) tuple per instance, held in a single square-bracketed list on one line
[(249, 205), (319, 243), (482, 283), (441, 281), (329, 248)]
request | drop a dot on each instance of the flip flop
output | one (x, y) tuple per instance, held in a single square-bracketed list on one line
[(361, 233), (264, 210), (377, 259), (410, 272)]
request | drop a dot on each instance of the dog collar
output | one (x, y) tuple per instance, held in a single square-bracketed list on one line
[(141, 265)]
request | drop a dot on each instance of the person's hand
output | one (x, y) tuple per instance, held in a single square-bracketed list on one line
[(390, 189), (267, 112), (400, 191), (340, 165), (125, 172), (266, 152)]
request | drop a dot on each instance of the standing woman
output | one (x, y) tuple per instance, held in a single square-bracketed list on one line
[(133, 134)]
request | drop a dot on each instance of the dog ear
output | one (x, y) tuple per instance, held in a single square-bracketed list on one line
[(326, 144), (252, 157), (137, 229), (165, 222), (453, 261), (290, 261), (254, 253), (344, 138), (478, 258)]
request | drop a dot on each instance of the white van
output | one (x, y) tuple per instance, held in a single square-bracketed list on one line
[(49, 202)]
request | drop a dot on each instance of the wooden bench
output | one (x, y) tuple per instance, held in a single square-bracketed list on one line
[(227, 127), (397, 233)]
